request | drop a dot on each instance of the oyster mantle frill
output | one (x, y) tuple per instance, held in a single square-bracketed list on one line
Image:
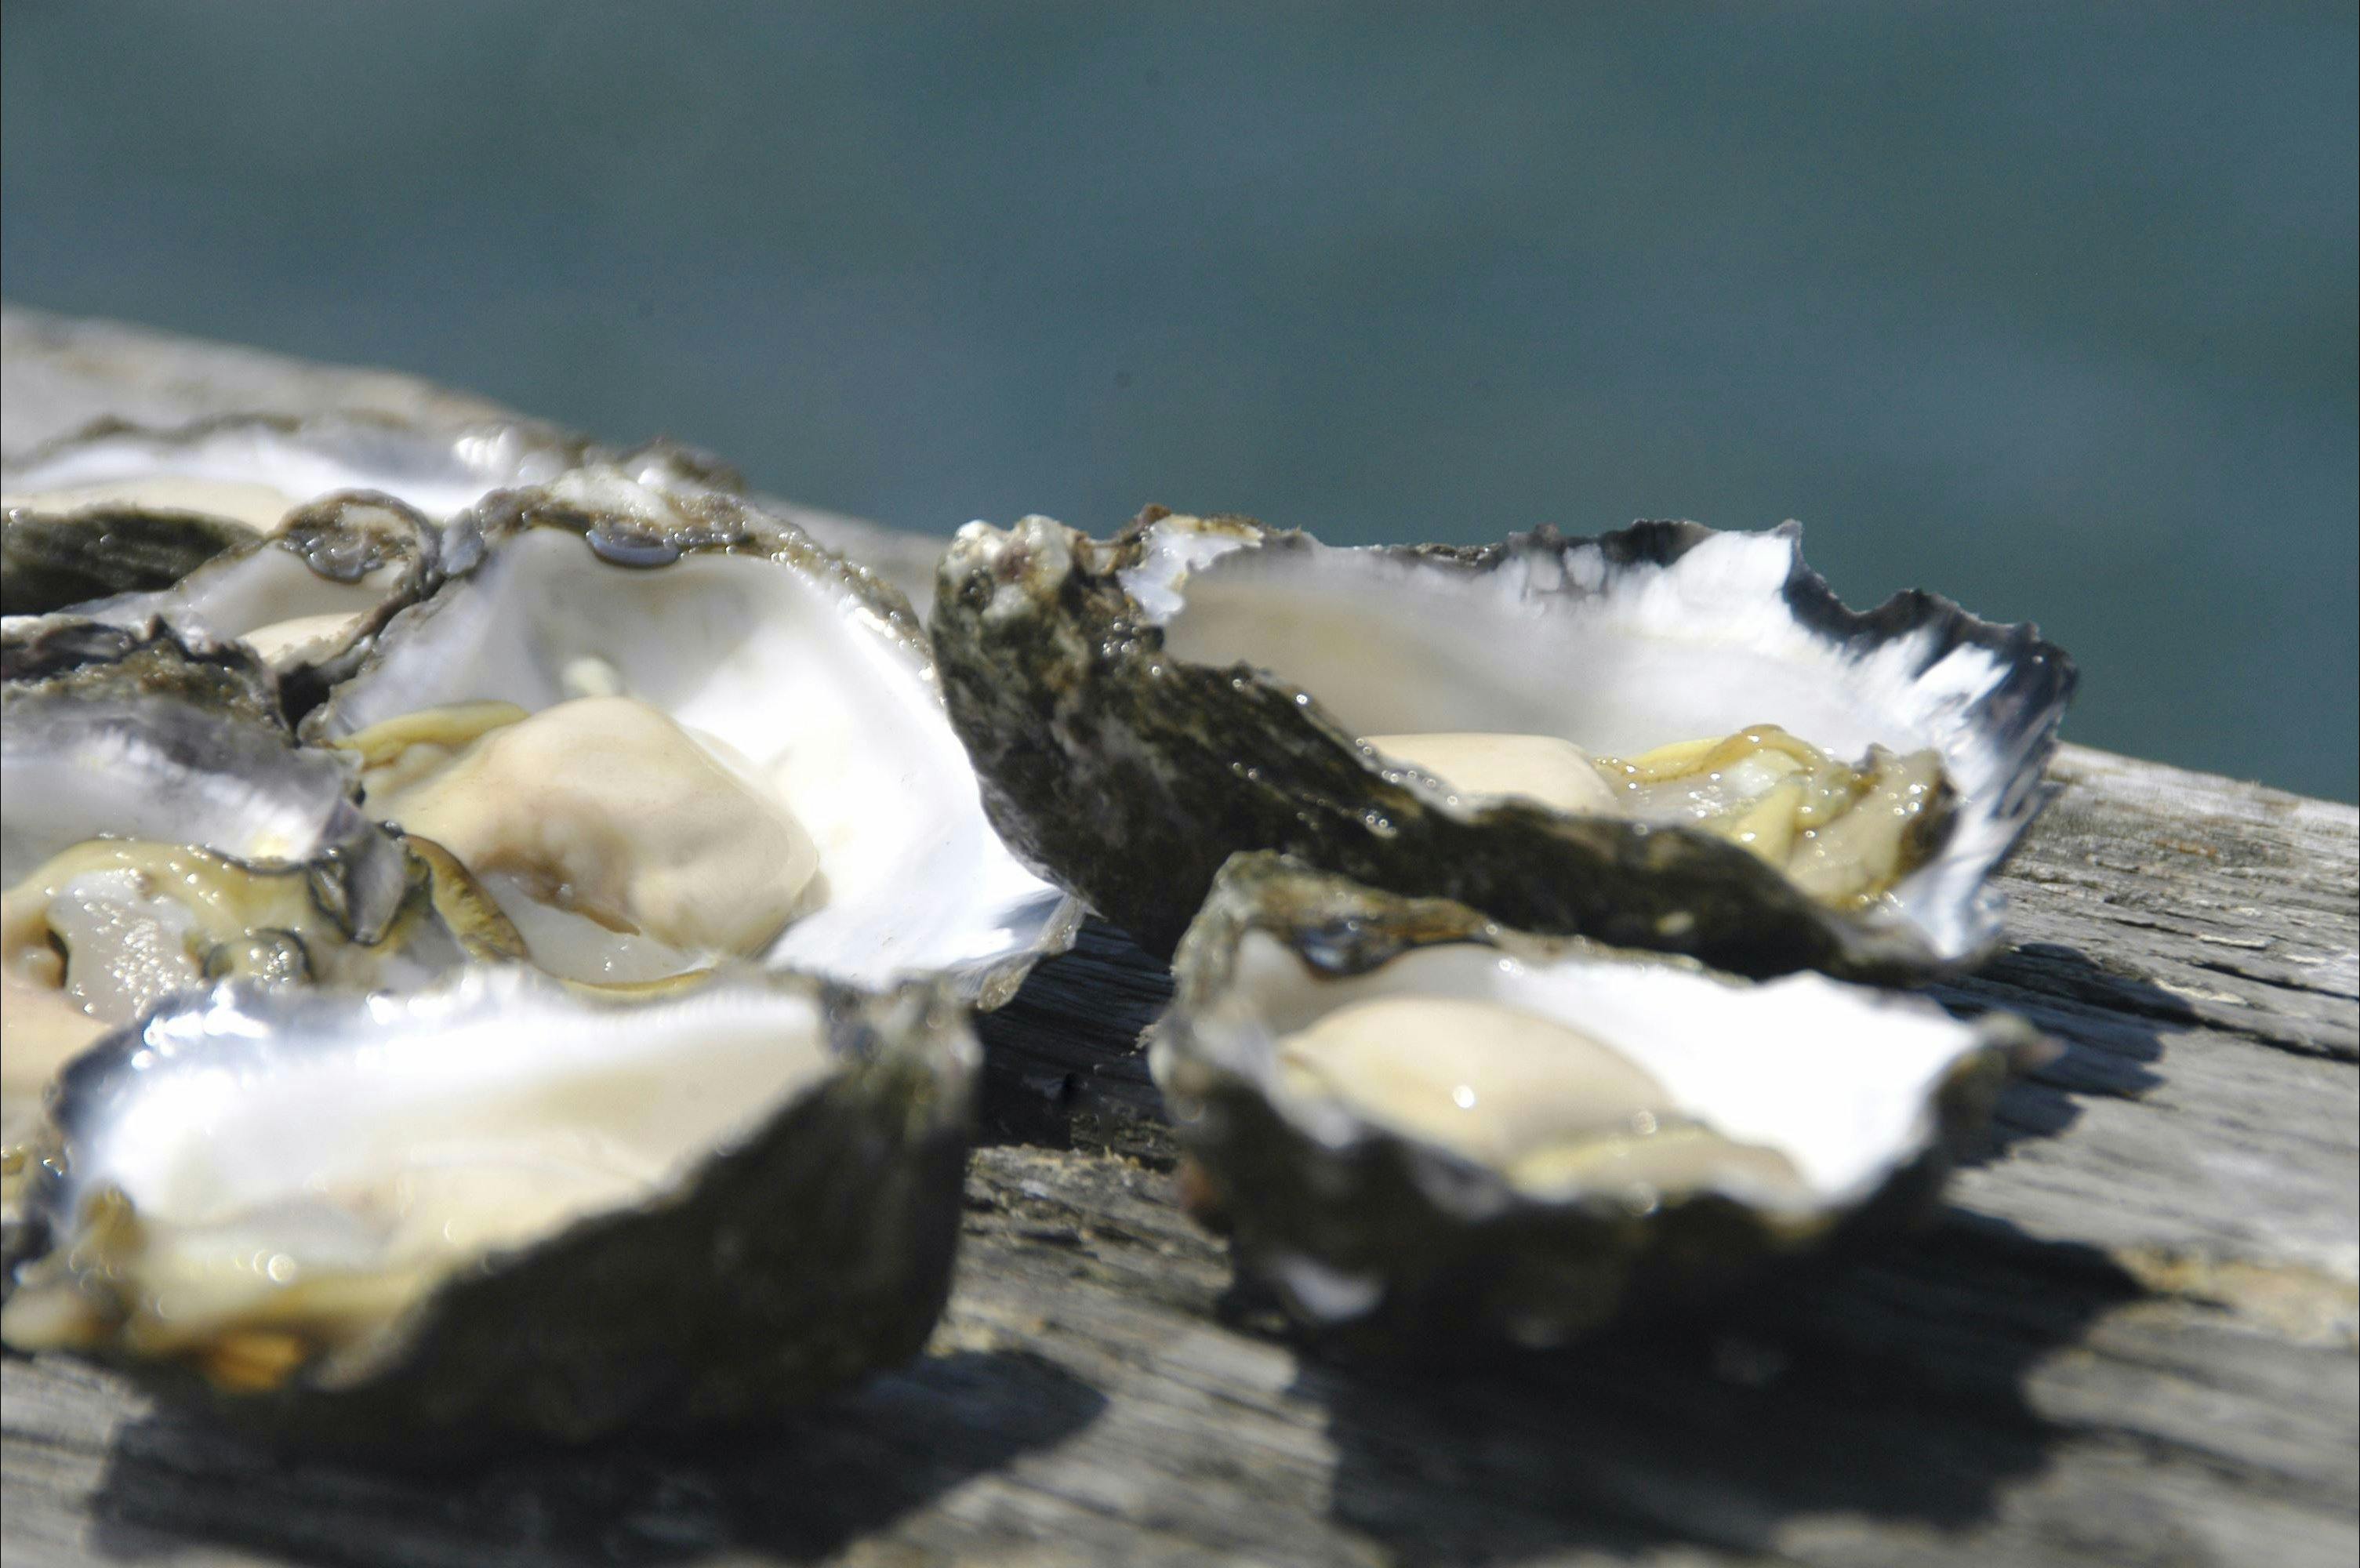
[(1410, 1118), (1140, 708)]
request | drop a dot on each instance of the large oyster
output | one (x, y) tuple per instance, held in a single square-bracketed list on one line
[(1411, 1117), (665, 728), (1666, 737), (505, 1205)]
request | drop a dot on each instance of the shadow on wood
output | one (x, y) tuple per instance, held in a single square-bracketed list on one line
[(798, 1490), (2104, 1021), (1891, 1390)]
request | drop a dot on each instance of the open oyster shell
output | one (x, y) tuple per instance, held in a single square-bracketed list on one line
[(766, 723), (160, 831), (1142, 708), (505, 1205), (1414, 1120)]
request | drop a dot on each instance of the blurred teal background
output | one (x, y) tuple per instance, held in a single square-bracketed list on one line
[(2051, 309)]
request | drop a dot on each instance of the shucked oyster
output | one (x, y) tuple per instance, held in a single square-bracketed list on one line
[(161, 831), (1407, 1115), (1667, 736), (505, 1205), (665, 729)]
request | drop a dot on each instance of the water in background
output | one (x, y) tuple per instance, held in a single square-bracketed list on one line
[(2049, 309)]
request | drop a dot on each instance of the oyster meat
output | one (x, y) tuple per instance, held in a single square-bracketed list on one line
[(1667, 736), (504, 1204), (1408, 1115), (665, 730)]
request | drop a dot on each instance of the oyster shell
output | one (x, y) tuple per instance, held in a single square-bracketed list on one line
[(126, 509), (1409, 1116), (306, 598), (1142, 708), (160, 831), (665, 729), (133, 732), (505, 1205)]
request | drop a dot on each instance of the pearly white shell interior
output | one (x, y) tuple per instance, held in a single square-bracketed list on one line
[(1617, 658), (792, 671)]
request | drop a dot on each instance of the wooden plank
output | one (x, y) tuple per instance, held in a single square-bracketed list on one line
[(2133, 1335)]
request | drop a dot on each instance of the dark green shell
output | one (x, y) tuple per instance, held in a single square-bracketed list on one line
[(1129, 775)]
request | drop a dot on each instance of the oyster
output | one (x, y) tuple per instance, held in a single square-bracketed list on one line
[(1667, 736), (1409, 1116), (505, 1205), (160, 831), (665, 728)]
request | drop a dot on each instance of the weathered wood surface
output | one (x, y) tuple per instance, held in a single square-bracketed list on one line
[(2133, 1335)]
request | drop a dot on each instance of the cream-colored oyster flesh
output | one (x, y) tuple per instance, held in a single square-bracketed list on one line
[(1843, 833), (602, 808), (1547, 1105), (105, 931), (1797, 1095)]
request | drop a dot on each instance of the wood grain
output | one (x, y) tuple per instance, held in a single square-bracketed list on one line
[(2131, 1336)]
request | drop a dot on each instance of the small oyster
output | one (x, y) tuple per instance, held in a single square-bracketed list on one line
[(1666, 737), (505, 1206), (1412, 1118), (665, 728)]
